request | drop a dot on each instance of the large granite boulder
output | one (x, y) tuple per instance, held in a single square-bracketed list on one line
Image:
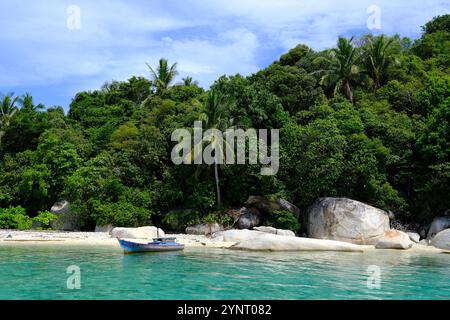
[(235, 235), (204, 229), (263, 241), (414, 236), (394, 239), (439, 224), (442, 240), (137, 233), (249, 218), (66, 221), (267, 206), (272, 230), (346, 220)]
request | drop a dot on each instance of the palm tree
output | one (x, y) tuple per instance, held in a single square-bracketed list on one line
[(343, 70), (215, 107), (214, 117), (26, 102), (163, 75), (7, 110), (378, 59), (188, 81)]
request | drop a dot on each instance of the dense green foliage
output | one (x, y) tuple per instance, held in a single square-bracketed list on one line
[(368, 120)]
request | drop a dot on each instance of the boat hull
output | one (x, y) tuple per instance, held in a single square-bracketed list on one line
[(134, 247)]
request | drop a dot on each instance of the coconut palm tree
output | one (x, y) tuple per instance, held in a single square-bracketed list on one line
[(7, 110), (216, 106), (163, 75), (342, 69), (378, 58), (188, 81), (214, 117)]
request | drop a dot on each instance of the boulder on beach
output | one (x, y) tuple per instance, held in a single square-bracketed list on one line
[(394, 239), (268, 207), (204, 229), (439, 224), (249, 218), (66, 219), (414, 236), (108, 228), (273, 230), (235, 235), (346, 220), (137, 233), (262, 241), (442, 240)]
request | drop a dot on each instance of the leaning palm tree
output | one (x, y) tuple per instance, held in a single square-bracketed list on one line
[(7, 110), (214, 117), (163, 75), (342, 69), (216, 106), (378, 58)]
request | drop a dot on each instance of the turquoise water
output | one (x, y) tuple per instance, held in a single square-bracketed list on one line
[(40, 273)]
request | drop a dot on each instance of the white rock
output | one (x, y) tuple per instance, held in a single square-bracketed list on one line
[(66, 221), (272, 230), (204, 229), (262, 241), (108, 228), (442, 240), (237, 235), (137, 233), (346, 220), (415, 237), (287, 233), (439, 224), (394, 239)]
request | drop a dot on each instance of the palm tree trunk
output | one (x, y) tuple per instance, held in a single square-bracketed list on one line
[(216, 175), (349, 92)]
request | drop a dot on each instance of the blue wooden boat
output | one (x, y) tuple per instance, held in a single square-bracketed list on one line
[(158, 245)]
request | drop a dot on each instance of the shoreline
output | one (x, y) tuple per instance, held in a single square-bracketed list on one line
[(9, 238)]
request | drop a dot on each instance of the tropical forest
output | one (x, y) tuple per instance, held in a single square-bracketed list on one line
[(368, 119)]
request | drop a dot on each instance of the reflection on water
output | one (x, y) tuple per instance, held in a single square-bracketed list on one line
[(40, 273)]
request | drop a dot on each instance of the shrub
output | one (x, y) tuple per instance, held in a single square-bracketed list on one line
[(121, 214), (14, 218), (217, 217), (45, 218), (283, 219), (178, 220)]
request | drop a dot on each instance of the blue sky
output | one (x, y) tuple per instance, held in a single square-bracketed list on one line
[(207, 38)]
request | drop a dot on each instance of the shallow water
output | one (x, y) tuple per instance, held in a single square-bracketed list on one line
[(40, 273)]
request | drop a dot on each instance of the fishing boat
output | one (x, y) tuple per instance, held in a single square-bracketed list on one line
[(157, 245)]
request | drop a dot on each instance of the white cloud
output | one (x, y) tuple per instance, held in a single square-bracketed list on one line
[(206, 38)]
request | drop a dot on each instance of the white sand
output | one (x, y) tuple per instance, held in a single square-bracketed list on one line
[(14, 238)]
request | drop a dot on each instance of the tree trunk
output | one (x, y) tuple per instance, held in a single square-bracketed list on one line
[(349, 92), (216, 174)]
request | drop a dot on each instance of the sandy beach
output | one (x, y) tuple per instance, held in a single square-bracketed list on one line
[(13, 237)]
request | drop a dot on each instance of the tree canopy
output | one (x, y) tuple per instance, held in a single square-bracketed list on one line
[(368, 119)]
